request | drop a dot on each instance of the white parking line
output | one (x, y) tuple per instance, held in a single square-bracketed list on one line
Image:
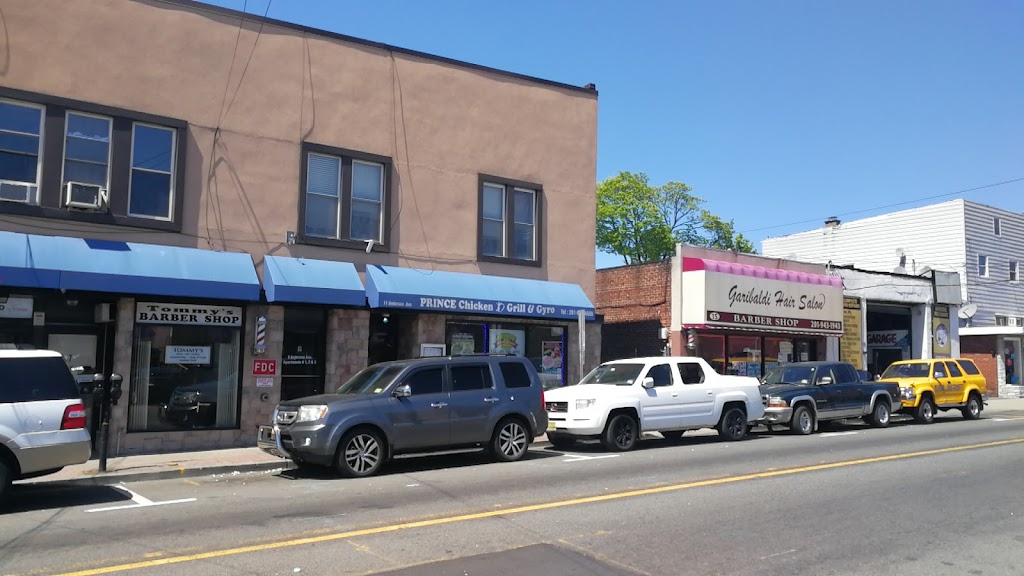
[(831, 434), (140, 501), (583, 458)]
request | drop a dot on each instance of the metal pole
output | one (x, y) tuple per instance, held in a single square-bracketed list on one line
[(105, 403)]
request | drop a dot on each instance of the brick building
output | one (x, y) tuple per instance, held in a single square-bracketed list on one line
[(636, 303)]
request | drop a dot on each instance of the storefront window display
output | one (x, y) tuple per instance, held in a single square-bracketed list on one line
[(744, 356), (752, 355), (1011, 347), (712, 349), (543, 345), (186, 367)]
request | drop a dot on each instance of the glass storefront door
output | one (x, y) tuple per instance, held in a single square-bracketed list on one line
[(302, 362)]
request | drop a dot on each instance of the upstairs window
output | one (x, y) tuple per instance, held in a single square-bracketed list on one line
[(997, 227), (87, 150), (983, 266), (151, 188), (1014, 271), (345, 199), (20, 148), (509, 221)]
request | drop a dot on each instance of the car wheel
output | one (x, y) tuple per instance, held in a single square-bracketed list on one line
[(6, 478), (802, 422), (733, 425), (561, 442), (360, 453), (510, 440), (925, 412), (880, 415), (672, 434), (621, 433), (973, 409)]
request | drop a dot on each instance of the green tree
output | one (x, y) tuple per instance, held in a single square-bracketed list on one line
[(643, 223)]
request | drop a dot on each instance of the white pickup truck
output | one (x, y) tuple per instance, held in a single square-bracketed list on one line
[(618, 401)]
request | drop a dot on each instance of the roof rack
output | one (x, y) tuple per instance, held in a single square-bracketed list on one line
[(474, 355)]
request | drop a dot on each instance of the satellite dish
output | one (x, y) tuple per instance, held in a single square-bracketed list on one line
[(924, 271), (968, 311)]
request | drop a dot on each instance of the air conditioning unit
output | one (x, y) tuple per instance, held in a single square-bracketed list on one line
[(1013, 321), (12, 191), (84, 196)]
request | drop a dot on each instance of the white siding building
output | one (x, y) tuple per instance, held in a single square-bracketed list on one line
[(983, 244)]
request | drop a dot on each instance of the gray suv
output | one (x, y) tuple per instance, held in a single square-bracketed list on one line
[(407, 406), (42, 417)]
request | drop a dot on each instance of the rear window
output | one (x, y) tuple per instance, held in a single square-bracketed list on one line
[(515, 375), (36, 379), (969, 367)]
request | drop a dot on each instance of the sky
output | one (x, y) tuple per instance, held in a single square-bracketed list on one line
[(777, 114)]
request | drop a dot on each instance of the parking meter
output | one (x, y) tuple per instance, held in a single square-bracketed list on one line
[(115, 388)]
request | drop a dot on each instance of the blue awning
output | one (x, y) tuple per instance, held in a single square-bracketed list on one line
[(312, 281), (32, 261), (409, 288)]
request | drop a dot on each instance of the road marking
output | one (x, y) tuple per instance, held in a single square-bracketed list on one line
[(778, 554), (833, 434), (523, 509), (584, 457), (139, 500)]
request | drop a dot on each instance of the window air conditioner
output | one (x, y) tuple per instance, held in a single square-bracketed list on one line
[(12, 191), (85, 196), (1013, 321)]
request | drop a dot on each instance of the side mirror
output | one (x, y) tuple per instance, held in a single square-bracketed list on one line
[(825, 381), (647, 383), (403, 391)]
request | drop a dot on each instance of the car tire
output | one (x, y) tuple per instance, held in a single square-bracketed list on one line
[(673, 435), (802, 421), (972, 411), (732, 426), (361, 453), (510, 441), (6, 480), (925, 411), (561, 442), (880, 415), (620, 433)]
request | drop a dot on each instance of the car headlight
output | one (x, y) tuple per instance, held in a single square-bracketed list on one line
[(584, 404), (776, 402), (311, 413), (907, 393)]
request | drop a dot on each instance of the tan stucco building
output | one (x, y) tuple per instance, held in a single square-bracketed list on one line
[(229, 210)]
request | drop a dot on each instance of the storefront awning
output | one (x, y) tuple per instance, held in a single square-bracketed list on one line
[(31, 261), (460, 293), (312, 281)]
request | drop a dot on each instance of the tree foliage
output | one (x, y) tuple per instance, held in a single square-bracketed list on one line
[(643, 223)]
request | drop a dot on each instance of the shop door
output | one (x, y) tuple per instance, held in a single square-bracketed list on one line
[(383, 345), (302, 361)]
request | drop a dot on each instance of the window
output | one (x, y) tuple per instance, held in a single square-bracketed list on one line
[(996, 227), (662, 375), (426, 381), (474, 377), (151, 187), (345, 199), (514, 374), (938, 370), (87, 149), (20, 149), (36, 380), (983, 266), (509, 221), (954, 372), (845, 374), (826, 372), (969, 367), (1014, 271), (691, 373)]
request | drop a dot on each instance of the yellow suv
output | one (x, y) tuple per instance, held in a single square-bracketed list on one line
[(941, 384)]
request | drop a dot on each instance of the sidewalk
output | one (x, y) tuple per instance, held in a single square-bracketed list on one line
[(227, 461)]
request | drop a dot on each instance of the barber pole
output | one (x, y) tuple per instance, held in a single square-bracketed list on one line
[(261, 336), (691, 339)]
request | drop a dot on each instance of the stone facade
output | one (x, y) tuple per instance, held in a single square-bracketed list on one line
[(348, 336)]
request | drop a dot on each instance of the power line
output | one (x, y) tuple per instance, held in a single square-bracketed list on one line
[(861, 211)]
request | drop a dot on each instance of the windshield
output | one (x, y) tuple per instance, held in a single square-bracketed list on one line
[(616, 374), (372, 380), (921, 370), (790, 375)]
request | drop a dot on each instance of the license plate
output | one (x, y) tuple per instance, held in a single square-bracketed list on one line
[(551, 425)]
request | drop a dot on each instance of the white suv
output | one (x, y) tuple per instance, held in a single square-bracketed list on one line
[(42, 417), (618, 401)]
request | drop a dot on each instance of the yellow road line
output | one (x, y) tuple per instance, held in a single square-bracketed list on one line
[(522, 509)]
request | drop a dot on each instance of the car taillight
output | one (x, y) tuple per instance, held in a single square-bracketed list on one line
[(74, 417)]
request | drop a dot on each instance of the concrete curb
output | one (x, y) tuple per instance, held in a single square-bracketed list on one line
[(121, 477)]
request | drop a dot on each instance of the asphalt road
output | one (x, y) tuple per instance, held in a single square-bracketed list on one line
[(941, 499)]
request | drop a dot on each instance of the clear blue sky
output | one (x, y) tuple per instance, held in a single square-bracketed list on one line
[(774, 112)]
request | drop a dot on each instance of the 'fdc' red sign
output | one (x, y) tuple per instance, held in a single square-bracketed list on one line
[(264, 367)]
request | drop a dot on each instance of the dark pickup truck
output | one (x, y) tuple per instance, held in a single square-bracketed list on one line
[(801, 394)]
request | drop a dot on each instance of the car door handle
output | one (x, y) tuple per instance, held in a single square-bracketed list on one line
[(711, 392), (491, 400), (438, 404), (674, 394)]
